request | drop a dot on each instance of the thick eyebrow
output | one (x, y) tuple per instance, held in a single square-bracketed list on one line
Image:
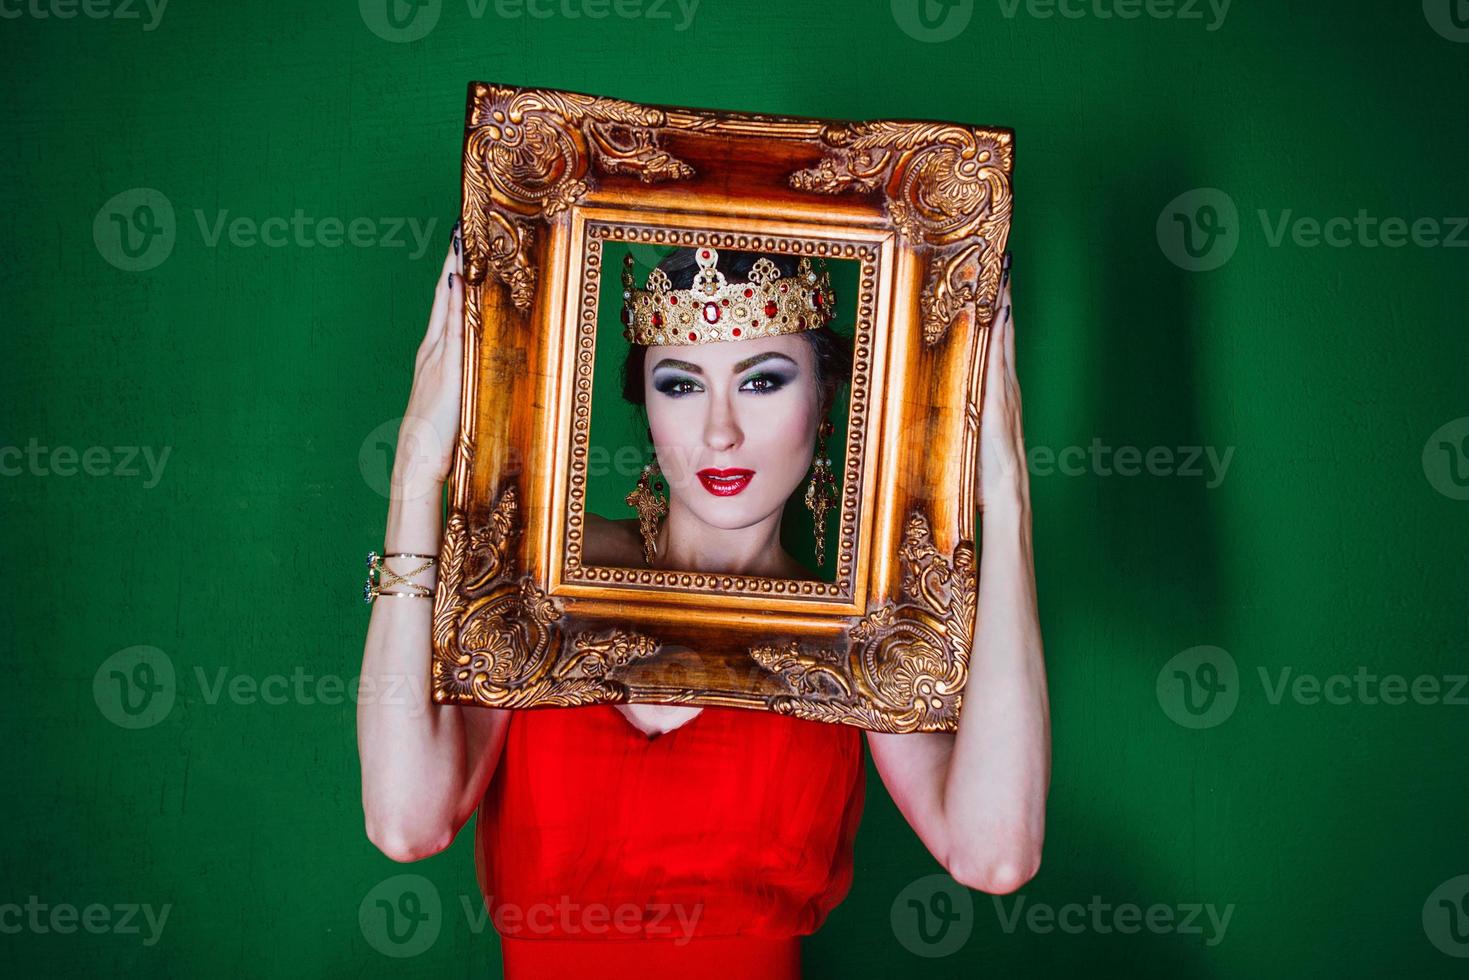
[(739, 366)]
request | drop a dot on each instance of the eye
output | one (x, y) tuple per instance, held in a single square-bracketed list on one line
[(763, 383), (676, 387)]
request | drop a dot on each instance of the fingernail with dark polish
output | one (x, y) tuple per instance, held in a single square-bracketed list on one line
[(1005, 265), (451, 280)]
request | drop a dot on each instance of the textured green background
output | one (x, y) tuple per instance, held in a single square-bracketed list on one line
[(273, 376)]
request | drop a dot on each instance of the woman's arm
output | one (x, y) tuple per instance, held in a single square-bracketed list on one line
[(977, 797), (424, 766)]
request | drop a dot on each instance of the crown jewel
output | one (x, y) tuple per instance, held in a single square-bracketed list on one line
[(713, 309)]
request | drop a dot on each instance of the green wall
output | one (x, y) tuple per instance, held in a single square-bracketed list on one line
[(196, 441)]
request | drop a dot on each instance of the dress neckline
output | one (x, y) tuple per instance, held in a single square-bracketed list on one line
[(649, 737)]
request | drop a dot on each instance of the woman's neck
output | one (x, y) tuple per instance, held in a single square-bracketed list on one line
[(687, 544)]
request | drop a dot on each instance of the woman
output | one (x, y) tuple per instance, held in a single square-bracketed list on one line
[(726, 518), (639, 840)]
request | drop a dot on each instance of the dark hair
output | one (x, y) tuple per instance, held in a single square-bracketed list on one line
[(833, 351)]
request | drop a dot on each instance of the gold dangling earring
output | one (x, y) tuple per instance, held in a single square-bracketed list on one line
[(650, 506), (821, 492)]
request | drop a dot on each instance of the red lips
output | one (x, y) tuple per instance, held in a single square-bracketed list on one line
[(725, 483)]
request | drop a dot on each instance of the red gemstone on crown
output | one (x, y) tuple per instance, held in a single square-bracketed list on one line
[(705, 253), (736, 331), (801, 322), (771, 309), (672, 300), (749, 292), (816, 298), (693, 336), (711, 313), (657, 319)]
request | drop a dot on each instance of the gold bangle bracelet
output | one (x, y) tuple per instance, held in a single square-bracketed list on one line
[(371, 589)]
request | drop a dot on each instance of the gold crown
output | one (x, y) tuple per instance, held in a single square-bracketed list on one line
[(712, 309)]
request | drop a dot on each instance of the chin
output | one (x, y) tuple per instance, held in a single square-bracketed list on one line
[(731, 514)]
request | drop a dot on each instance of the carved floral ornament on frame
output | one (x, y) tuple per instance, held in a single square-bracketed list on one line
[(922, 209)]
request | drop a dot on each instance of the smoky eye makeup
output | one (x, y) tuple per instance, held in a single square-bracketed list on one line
[(767, 374), (767, 380), (674, 384)]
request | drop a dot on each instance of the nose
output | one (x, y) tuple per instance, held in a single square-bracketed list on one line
[(721, 429)]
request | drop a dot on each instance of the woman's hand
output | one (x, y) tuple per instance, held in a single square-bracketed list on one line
[(1003, 478), (430, 425)]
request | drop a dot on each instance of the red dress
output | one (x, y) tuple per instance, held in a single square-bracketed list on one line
[(702, 852)]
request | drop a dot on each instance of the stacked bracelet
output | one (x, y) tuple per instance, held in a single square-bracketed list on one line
[(372, 589)]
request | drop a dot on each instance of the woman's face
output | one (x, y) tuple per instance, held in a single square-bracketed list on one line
[(747, 407)]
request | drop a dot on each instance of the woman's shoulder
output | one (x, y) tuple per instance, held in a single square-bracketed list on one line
[(609, 542), (620, 544)]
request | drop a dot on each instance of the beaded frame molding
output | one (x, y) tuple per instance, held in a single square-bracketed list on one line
[(519, 621)]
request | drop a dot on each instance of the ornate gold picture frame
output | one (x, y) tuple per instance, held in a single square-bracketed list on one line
[(552, 181)]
